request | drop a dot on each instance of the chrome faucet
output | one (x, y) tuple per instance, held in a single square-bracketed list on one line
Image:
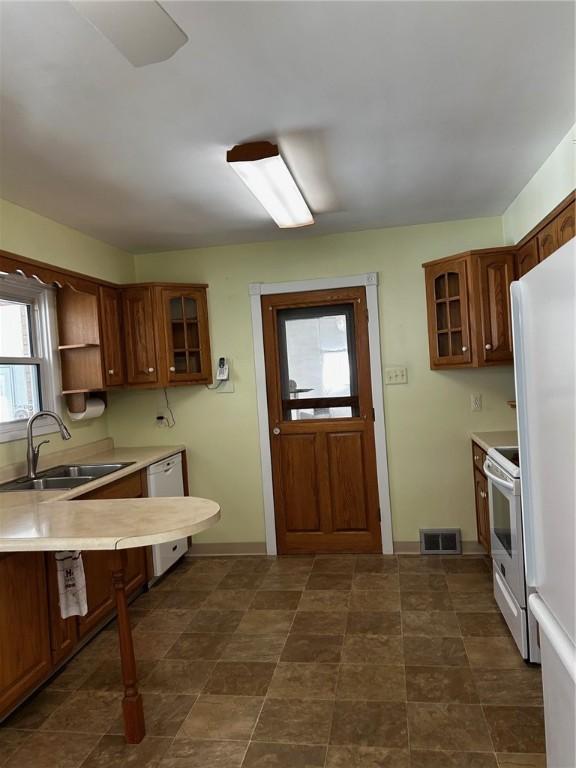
[(33, 453)]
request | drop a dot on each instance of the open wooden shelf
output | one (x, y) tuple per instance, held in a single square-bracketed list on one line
[(76, 346)]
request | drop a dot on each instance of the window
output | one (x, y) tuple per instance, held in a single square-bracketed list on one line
[(318, 362), (28, 362)]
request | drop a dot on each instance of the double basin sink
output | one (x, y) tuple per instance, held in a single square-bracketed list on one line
[(63, 477)]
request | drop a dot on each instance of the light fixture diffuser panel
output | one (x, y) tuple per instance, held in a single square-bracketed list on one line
[(140, 29), (272, 184)]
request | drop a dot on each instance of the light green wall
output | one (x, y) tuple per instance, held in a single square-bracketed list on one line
[(551, 183), (428, 420), (36, 237)]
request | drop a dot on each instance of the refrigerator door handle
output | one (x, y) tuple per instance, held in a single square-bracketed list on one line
[(558, 639)]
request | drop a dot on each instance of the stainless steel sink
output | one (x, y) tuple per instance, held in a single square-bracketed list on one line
[(83, 470), (44, 484), (63, 477)]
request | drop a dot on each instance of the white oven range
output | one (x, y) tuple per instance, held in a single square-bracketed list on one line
[(502, 468)]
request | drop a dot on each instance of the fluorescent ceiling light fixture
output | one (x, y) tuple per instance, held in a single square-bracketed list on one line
[(261, 167)]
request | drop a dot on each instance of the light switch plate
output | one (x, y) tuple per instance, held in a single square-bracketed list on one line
[(398, 375)]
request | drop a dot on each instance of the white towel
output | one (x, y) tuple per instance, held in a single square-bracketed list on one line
[(71, 584)]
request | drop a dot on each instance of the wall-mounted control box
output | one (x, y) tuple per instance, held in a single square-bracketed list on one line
[(222, 372)]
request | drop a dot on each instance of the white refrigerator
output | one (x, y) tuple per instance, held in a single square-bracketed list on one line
[(543, 319)]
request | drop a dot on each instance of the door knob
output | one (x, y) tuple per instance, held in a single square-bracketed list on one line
[(488, 347), (150, 370), (172, 368), (111, 371), (464, 349), (276, 431)]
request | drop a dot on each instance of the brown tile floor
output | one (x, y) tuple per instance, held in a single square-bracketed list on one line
[(304, 662)]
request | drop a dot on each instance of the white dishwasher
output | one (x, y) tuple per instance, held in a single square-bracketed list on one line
[(165, 479)]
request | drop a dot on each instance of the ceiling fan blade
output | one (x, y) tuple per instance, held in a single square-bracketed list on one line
[(141, 30)]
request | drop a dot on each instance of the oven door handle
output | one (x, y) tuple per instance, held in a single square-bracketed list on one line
[(508, 484)]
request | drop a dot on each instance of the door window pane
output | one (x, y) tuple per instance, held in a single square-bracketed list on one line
[(318, 362)]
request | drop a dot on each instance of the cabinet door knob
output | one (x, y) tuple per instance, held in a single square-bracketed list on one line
[(488, 346), (172, 368), (276, 431), (476, 457), (464, 349), (150, 370), (111, 371)]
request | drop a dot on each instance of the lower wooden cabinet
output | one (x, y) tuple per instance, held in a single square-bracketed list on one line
[(63, 632), (99, 589), (34, 638), (481, 497), (25, 653)]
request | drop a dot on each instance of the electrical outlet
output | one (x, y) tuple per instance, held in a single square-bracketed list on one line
[(476, 401), (397, 375)]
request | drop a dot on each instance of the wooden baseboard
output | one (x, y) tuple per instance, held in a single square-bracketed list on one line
[(243, 548), (259, 548)]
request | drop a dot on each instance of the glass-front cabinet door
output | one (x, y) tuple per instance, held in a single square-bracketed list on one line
[(448, 314), (187, 338)]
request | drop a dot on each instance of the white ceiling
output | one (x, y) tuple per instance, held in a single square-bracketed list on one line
[(389, 113)]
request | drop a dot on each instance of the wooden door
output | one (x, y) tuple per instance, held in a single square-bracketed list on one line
[(321, 421), (111, 323), (25, 658), (547, 240), (482, 513), (495, 273), (448, 314), (565, 228), (527, 257), (139, 329), (186, 336)]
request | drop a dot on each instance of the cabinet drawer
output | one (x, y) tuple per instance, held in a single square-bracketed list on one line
[(478, 456), (129, 487)]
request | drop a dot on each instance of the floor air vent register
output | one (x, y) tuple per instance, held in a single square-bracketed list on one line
[(440, 541)]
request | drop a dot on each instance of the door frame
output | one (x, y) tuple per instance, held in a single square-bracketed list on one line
[(370, 282)]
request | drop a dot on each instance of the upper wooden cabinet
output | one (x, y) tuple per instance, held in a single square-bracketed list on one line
[(184, 316), (565, 225), (527, 257), (547, 240), (448, 313), (151, 335), (111, 324), (495, 273), (140, 336), (469, 309), (552, 233), (166, 332)]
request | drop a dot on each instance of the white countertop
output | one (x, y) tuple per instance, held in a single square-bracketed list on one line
[(57, 520), (487, 440)]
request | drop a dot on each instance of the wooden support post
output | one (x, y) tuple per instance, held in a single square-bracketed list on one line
[(134, 726)]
